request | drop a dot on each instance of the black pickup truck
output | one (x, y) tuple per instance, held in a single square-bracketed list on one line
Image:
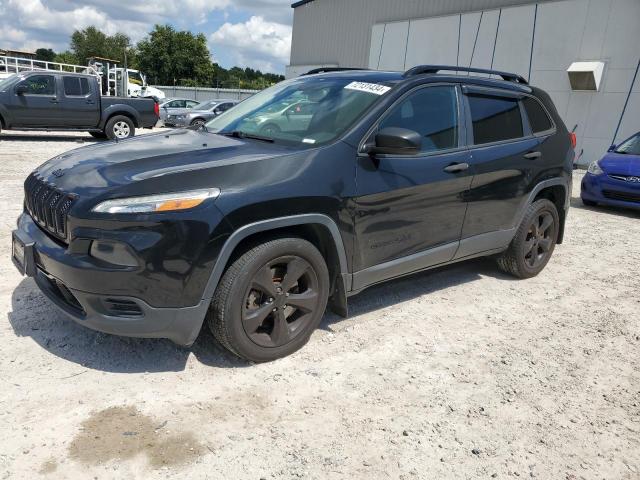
[(48, 100)]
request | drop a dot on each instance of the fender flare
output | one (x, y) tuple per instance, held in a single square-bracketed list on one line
[(272, 224), (552, 182), (119, 109)]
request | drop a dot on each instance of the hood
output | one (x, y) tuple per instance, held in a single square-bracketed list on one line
[(621, 164), (88, 171)]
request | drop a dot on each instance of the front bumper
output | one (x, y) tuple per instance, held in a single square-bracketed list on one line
[(610, 191), (176, 122), (115, 314)]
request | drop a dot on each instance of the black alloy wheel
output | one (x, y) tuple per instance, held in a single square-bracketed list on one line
[(270, 299), (540, 237), (280, 301)]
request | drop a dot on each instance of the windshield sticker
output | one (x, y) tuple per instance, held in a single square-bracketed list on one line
[(368, 88), (308, 140)]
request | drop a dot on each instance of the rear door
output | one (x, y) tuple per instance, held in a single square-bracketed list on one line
[(408, 205), (79, 107), (505, 158), (39, 105)]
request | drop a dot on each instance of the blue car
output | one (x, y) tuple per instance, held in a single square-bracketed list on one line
[(615, 179)]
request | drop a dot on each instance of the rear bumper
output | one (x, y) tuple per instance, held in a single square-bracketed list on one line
[(59, 276), (608, 191)]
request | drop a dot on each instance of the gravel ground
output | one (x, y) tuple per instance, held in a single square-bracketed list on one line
[(456, 373)]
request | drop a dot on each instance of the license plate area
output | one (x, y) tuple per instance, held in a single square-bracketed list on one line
[(22, 253)]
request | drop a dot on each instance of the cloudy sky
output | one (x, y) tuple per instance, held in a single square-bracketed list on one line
[(254, 33)]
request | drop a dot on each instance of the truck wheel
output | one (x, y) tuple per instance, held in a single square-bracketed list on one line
[(99, 135), (270, 300), (534, 242), (119, 127)]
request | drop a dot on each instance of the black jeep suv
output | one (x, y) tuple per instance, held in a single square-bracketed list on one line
[(302, 195)]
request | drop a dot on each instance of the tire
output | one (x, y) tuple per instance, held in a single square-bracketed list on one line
[(589, 203), (255, 299), (534, 241), (269, 130), (119, 127), (98, 135), (197, 121)]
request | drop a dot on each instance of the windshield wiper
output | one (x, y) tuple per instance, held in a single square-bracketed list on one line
[(251, 136)]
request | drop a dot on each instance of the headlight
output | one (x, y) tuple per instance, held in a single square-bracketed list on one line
[(594, 169), (168, 202)]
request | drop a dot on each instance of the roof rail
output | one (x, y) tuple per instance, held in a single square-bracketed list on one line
[(331, 69), (425, 69)]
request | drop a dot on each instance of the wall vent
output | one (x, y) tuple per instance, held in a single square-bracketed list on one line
[(585, 76)]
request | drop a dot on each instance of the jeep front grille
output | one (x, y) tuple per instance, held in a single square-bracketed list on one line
[(47, 205)]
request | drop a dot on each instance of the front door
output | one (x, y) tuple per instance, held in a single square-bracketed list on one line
[(410, 209), (38, 106)]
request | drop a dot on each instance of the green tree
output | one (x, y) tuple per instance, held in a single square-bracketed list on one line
[(170, 57), (45, 54), (91, 42), (66, 57)]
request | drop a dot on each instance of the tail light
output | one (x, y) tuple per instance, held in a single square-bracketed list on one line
[(574, 140), (156, 109)]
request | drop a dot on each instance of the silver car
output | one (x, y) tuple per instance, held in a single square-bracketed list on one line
[(172, 105), (199, 114)]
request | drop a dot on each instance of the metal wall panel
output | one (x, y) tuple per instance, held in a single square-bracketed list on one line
[(394, 46), (432, 40), (339, 31), (513, 45)]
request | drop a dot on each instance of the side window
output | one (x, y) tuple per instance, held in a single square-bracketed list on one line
[(495, 118), (191, 103), (84, 86), (179, 104), (538, 118), (72, 86), (40, 85), (433, 113)]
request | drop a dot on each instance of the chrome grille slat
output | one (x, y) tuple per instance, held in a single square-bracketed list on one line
[(47, 205)]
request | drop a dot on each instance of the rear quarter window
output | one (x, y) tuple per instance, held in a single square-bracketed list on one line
[(495, 118), (538, 118)]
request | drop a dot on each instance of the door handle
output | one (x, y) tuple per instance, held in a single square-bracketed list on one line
[(532, 155), (54, 100), (456, 167)]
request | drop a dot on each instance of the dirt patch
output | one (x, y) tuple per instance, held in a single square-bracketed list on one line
[(49, 466), (120, 433)]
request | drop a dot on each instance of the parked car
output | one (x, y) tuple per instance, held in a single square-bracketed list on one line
[(615, 179), (171, 106), (69, 101), (281, 117), (394, 173), (199, 114)]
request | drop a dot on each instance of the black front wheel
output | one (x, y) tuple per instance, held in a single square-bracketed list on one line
[(270, 300), (534, 241)]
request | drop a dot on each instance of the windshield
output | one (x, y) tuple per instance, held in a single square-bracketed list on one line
[(301, 111), (208, 105), (7, 81), (631, 146), (135, 78)]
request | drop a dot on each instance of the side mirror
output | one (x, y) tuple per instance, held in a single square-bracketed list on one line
[(21, 89), (396, 141), (611, 148), (217, 111)]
